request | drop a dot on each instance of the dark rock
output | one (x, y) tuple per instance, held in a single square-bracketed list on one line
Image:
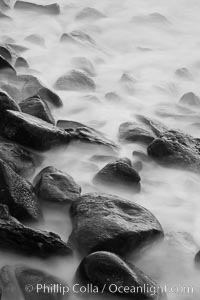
[(21, 160), (197, 258), (190, 99), (32, 132), (36, 107), (15, 279), (118, 174), (116, 277), (18, 194), (15, 237), (75, 81), (5, 67), (21, 63), (5, 53), (130, 132), (6, 102), (176, 149), (53, 185), (104, 222), (53, 9), (90, 13)]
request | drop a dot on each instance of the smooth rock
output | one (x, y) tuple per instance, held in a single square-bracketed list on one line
[(90, 13), (17, 238), (84, 64), (52, 9), (104, 222), (6, 102), (35, 39), (190, 99), (56, 186), (131, 132)]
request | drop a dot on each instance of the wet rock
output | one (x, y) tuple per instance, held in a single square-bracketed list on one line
[(197, 258), (18, 194), (52, 9), (15, 279), (75, 81), (137, 165), (16, 47), (17, 238), (67, 124), (36, 107), (130, 132), (104, 222), (176, 149), (190, 99), (89, 13), (35, 39), (108, 272), (50, 97), (118, 174), (84, 65), (141, 155), (6, 102), (79, 37), (21, 63), (5, 67), (112, 97), (11, 90), (5, 53), (53, 185), (103, 158), (184, 73), (32, 132), (21, 160)]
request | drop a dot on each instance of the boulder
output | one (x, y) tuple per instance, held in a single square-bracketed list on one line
[(119, 174), (104, 222), (112, 275), (75, 81), (17, 238), (5, 67), (21, 160), (18, 194), (190, 99), (131, 132), (53, 185), (21, 281), (32, 132), (51, 9), (35, 106)]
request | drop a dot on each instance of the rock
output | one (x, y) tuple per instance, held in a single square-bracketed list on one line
[(184, 73), (176, 149), (4, 16), (84, 64), (5, 67), (104, 222), (16, 47), (35, 39), (103, 158), (21, 63), (50, 97), (15, 279), (79, 37), (17, 238), (155, 18), (36, 107), (21, 160), (67, 124), (130, 132), (90, 13), (75, 81), (5, 53), (112, 97), (53, 9), (116, 277), (18, 194), (118, 174), (53, 185), (11, 90), (141, 155), (32, 132), (190, 99), (197, 258), (127, 82), (137, 165), (6, 102)]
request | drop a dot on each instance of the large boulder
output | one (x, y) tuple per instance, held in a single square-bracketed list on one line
[(21, 160), (118, 174), (23, 282), (75, 81), (32, 132), (53, 185), (17, 238), (176, 149), (35, 106), (104, 222), (18, 194), (131, 132), (110, 274)]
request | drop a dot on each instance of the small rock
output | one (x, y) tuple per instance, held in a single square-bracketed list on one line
[(21, 63), (53, 185), (5, 53), (84, 65), (113, 97), (15, 237), (90, 13), (75, 81), (104, 222), (36, 107), (184, 73), (118, 174), (118, 278), (5, 67), (35, 39), (190, 99), (130, 132)]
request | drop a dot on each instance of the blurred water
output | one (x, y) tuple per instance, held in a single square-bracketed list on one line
[(149, 48)]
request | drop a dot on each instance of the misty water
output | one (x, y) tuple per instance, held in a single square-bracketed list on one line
[(148, 40)]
